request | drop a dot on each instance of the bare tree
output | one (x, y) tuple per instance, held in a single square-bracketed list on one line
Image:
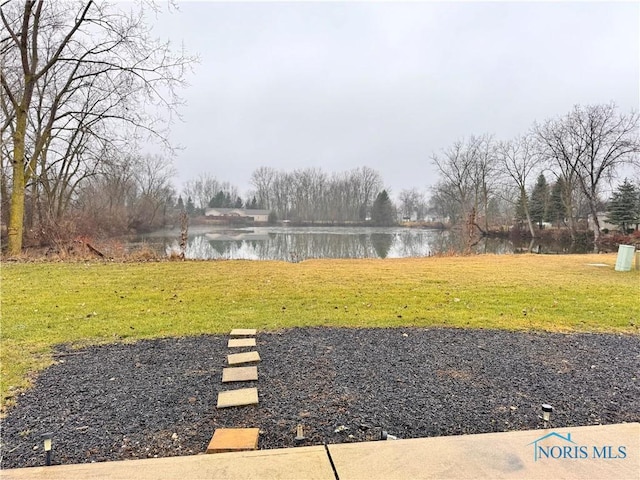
[(130, 193), (340, 193), (482, 154), (367, 184), (412, 203), (519, 160), (205, 188), (310, 195), (69, 68), (283, 194), (590, 144), (456, 168), (154, 192), (443, 204), (102, 200), (468, 169), (262, 180)]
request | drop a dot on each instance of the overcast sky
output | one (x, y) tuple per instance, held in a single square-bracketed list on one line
[(339, 85)]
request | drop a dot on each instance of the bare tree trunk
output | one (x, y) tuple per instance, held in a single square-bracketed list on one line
[(184, 233), (527, 213), (16, 209), (16, 213), (596, 227), (4, 195)]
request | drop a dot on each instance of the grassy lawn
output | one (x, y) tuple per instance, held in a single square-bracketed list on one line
[(44, 304)]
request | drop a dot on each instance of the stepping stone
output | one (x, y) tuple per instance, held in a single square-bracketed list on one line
[(233, 440), (243, 332), (239, 374), (241, 342), (238, 398), (238, 358)]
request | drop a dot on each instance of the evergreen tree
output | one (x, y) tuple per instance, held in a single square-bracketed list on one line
[(190, 207), (539, 201), (383, 212), (180, 205), (623, 209), (238, 203), (219, 201), (557, 210), (253, 205)]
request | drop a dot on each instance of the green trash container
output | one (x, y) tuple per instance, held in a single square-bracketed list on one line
[(625, 258)]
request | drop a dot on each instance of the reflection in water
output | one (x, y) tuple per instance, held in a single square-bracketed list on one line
[(296, 244), (293, 245), (381, 243)]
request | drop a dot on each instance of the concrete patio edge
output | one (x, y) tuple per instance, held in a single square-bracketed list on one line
[(600, 451)]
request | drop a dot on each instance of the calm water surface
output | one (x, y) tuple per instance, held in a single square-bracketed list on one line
[(300, 243)]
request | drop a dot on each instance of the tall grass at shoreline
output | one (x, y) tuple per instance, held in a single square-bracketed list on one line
[(44, 304)]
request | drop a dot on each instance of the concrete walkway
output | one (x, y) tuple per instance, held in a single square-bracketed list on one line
[(598, 452)]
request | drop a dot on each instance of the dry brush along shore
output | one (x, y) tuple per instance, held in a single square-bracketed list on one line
[(157, 397)]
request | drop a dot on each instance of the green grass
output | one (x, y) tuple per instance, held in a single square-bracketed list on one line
[(44, 304)]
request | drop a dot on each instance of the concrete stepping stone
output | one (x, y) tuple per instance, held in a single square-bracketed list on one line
[(243, 332), (239, 358), (233, 440), (239, 374), (238, 398), (241, 342)]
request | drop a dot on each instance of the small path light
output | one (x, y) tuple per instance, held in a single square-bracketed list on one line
[(299, 434), (386, 436), (546, 412), (46, 438)]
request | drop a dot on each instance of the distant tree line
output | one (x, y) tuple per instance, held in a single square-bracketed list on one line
[(311, 195), (304, 195), (486, 184)]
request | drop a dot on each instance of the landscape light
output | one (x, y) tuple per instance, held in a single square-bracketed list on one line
[(386, 436), (46, 437), (299, 434), (546, 412)]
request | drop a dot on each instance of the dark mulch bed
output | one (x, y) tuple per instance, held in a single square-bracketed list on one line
[(157, 398)]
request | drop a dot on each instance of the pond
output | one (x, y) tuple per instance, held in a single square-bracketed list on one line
[(300, 243)]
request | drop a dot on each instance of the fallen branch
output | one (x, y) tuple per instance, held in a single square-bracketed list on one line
[(95, 250)]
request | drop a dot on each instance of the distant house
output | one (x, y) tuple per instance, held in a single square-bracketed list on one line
[(232, 214), (602, 220)]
